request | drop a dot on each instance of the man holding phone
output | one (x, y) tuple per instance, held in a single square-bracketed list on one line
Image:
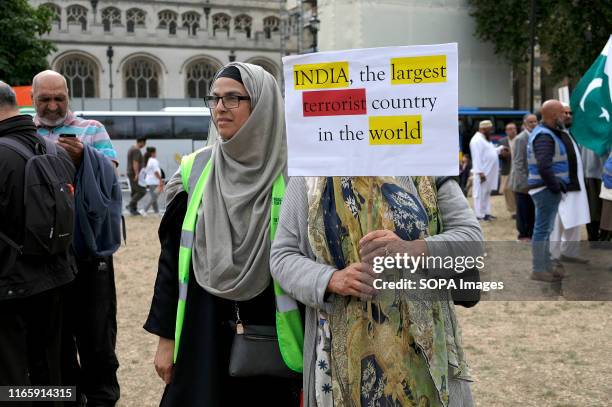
[(91, 311)]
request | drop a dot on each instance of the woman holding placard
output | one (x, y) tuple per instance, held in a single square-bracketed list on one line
[(214, 303), (365, 347)]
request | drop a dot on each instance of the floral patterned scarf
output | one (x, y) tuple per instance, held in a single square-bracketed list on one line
[(390, 351)]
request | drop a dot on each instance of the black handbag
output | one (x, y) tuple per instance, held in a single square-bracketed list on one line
[(466, 297), (463, 297), (255, 351)]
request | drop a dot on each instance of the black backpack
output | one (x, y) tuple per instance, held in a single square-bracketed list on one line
[(48, 199)]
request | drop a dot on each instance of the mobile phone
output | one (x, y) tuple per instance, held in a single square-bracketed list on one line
[(67, 135)]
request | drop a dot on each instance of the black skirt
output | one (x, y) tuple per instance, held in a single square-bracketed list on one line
[(201, 371), (200, 377)]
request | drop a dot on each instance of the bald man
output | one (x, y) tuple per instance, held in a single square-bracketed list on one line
[(54, 118), (548, 178), (91, 312)]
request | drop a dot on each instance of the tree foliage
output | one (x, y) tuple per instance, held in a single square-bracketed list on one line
[(571, 33), (576, 33), (22, 52), (505, 23)]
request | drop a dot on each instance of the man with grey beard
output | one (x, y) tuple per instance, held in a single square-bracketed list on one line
[(90, 313)]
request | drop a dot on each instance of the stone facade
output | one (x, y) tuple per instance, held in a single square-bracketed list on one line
[(163, 49)]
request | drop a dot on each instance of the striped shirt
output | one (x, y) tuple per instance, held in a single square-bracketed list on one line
[(89, 132)]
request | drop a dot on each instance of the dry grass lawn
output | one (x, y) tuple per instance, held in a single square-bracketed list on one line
[(540, 354)]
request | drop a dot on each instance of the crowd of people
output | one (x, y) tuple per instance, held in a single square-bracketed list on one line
[(264, 284), (551, 187)]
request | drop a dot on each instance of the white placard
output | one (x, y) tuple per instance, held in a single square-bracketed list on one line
[(373, 112)]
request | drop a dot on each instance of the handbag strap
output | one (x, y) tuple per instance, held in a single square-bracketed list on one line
[(237, 312), (239, 324), (11, 242)]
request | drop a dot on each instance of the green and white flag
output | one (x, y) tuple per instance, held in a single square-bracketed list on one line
[(592, 105)]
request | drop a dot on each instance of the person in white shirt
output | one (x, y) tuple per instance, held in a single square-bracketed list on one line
[(485, 167), (152, 178), (573, 208)]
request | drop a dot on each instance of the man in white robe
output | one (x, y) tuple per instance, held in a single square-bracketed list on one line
[(573, 213), (485, 167)]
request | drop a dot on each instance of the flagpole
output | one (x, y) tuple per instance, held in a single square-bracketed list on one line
[(532, 46)]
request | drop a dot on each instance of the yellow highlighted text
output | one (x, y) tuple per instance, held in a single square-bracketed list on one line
[(417, 70), (321, 76), (388, 130)]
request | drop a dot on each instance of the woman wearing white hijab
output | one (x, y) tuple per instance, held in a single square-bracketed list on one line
[(231, 249)]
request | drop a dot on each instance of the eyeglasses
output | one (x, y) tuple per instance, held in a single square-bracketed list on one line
[(229, 101)]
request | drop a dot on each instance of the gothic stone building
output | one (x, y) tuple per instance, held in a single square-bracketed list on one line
[(162, 49)]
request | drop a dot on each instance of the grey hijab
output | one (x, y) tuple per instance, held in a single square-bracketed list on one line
[(232, 244)]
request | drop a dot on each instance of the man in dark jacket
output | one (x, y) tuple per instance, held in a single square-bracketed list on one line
[(549, 176), (30, 286)]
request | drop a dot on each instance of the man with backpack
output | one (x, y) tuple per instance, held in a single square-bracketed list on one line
[(91, 312), (36, 225)]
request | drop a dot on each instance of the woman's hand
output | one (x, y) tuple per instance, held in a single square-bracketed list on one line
[(383, 243), (164, 359), (376, 244), (356, 279)]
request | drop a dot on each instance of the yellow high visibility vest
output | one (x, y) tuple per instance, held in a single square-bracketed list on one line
[(289, 327)]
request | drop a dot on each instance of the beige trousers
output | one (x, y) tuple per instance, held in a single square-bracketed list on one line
[(508, 194)]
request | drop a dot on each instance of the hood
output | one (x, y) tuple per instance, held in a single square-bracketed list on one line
[(17, 124)]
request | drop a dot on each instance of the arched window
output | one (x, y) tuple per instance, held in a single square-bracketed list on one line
[(293, 24), (167, 19), (57, 13), (199, 76), (81, 74), (191, 21), (141, 77), (221, 21), (110, 16), (135, 17), (243, 23), (271, 24), (76, 14)]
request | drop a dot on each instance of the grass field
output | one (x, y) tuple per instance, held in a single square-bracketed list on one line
[(521, 353)]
